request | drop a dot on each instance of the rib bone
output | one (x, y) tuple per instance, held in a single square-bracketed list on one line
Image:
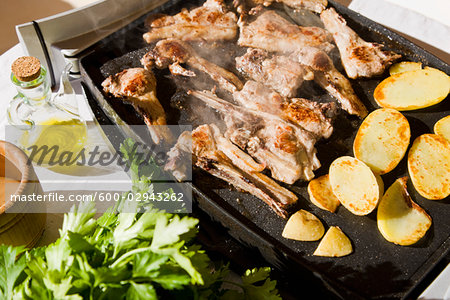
[(171, 53)]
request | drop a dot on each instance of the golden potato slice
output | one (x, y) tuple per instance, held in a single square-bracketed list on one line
[(303, 226), (400, 220), (413, 90), (321, 194), (442, 127), (334, 244), (355, 185), (382, 140), (404, 66), (429, 166)]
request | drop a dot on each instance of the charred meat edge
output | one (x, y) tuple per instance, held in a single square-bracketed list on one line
[(210, 22), (314, 117), (208, 146), (272, 32), (359, 58), (138, 87)]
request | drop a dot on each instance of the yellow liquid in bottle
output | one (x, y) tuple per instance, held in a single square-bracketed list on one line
[(55, 142)]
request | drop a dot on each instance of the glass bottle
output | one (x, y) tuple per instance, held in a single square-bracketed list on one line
[(38, 119)]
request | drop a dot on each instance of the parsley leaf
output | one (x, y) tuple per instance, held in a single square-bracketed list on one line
[(141, 292), (130, 252), (10, 269)]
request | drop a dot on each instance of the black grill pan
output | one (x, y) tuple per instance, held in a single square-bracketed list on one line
[(377, 269)]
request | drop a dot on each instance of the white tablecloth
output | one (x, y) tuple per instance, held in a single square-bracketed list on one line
[(427, 21)]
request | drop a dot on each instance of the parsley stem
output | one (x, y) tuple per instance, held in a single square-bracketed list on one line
[(130, 253)]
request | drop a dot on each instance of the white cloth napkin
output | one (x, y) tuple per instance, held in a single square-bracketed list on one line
[(428, 21)]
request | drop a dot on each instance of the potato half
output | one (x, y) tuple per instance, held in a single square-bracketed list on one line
[(413, 89), (321, 194), (303, 226), (442, 127), (334, 244), (355, 185), (400, 220), (404, 66), (382, 140), (429, 166)]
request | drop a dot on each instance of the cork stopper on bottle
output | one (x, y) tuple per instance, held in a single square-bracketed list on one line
[(26, 68)]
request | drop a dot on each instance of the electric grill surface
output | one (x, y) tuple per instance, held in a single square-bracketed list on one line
[(377, 268)]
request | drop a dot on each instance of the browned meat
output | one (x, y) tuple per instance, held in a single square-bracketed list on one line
[(210, 22), (277, 72), (311, 116), (315, 117), (171, 53), (239, 158), (285, 149), (138, 86), (359, 58), (271, 32), (258, 97), (211, 152), (329, 78), (314, 5)]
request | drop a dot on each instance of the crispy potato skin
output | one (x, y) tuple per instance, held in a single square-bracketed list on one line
[(382, 140), (442, 127), (404, 66), (429, 166), (355, 185), (399, 219), (321, 194), (413, 89)]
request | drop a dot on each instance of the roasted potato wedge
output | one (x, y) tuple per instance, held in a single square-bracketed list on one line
[(382, 140), (429, 166), (413, 89), (321, 194), (355, 185), (442, 127), (400, 220), (334, 244), (303, 226), (404, 66)]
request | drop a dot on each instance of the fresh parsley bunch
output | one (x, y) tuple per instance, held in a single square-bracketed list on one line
[(140, 255)]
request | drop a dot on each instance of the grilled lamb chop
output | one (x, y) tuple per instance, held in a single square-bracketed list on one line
[(172, 52), (317, 6), (329, 78), (277, 72), (210, 22), (271, 32), (311, 116), (359, 58), (211, 152), (138, 86), (285, 149)]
